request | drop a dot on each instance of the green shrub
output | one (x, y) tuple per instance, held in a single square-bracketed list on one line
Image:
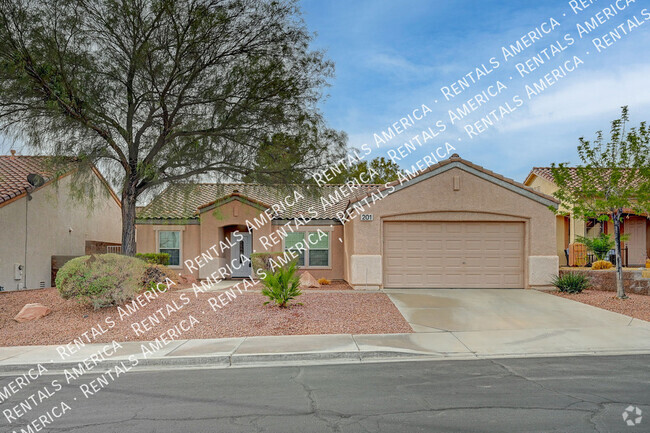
[(600, 245), (101, 280), (282, 286), (263, 261), (154, 258), (155, 274), (572, 282)]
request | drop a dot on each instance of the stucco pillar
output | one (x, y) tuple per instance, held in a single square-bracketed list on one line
[(542, 270), (365, 272)]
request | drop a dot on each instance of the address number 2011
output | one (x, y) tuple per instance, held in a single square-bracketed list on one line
[(366, 217)]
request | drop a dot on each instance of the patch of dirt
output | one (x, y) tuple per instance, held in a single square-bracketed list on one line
[(637, 306), (246, 315)]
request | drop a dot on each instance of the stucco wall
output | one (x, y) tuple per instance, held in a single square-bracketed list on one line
[(336, 270), (146, 241), (50, 215), (215, 226), (435, 199)]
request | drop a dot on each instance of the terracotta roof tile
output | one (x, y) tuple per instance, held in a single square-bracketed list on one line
[(15, 168), (547, 173), (182, 201)]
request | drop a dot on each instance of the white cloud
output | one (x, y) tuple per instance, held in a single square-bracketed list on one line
[(592, 94)]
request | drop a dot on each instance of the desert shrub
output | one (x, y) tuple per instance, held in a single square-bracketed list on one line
[(154, 258), (600, 245), (282, 286), (601, 264), (155, 274), (263, 261), (101, 280), (572, 282), (324, 281)]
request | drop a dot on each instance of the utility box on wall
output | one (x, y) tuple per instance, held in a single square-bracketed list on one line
[(18, 271)]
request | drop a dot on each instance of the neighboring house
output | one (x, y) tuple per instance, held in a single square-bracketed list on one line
[(568, 227), (43, 222), (455, 225)]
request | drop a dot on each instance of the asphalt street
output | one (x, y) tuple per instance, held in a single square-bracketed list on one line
[(577, 394)]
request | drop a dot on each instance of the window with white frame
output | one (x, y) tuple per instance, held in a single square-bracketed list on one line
[(312, 248), (170, 242)]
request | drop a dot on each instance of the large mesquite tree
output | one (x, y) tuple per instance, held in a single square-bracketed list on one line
[(163, 91), (614, 178)]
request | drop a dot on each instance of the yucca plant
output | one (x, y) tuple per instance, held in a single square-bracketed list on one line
[(282, 286), (572, 282)]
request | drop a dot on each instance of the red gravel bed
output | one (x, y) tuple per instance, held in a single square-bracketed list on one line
[(334, 285), (637, 306), (321, 313)]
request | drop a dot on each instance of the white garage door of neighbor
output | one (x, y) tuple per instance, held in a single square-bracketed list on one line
[(453, 254)]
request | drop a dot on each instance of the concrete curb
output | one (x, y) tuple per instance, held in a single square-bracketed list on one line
[(224, 361), (291, 359)]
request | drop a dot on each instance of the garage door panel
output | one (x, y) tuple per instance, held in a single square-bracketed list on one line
[(453, 254)]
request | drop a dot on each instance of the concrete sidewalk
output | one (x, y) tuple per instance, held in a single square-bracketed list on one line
[(634, 338)]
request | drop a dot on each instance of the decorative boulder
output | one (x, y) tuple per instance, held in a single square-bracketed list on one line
[(32, 312), (307, 280)]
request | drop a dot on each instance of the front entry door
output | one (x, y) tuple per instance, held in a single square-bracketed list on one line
[(244, 248), (636, 245)]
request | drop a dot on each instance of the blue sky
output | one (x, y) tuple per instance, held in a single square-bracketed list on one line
[(393, 56)]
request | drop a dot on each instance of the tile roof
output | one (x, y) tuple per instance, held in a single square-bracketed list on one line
[(184, 201), (15, 168), (547, 173)]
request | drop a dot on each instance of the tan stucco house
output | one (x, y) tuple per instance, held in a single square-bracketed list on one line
[(39, 223), (455, 225), (568, 227)]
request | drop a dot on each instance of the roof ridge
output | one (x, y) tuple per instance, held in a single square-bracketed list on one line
[(271, 184)]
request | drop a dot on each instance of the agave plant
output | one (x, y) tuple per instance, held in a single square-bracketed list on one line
[(282, 286)]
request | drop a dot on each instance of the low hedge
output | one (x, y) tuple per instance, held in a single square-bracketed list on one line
[(154, 258)]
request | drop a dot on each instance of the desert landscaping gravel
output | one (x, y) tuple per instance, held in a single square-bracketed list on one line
[(637, 306), (341, 312)]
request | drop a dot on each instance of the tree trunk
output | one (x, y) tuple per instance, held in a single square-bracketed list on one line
[(128, 220), (620, 292)]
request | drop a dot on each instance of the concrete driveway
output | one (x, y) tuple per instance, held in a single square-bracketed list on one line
[(507, 321)]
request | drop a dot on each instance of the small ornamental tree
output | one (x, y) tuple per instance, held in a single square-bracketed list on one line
[(613, 179)]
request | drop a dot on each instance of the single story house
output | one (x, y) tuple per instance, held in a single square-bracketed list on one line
[(454, 225), (568, 227), (40, 222)]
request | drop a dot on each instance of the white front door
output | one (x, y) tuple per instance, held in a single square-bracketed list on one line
[(636, 246), (241, 268)]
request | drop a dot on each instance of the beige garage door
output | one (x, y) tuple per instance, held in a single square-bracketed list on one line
[(453, 255)]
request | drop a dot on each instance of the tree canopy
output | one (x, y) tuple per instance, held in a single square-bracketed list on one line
[(613, 179), (164, 90), (380, 169)]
